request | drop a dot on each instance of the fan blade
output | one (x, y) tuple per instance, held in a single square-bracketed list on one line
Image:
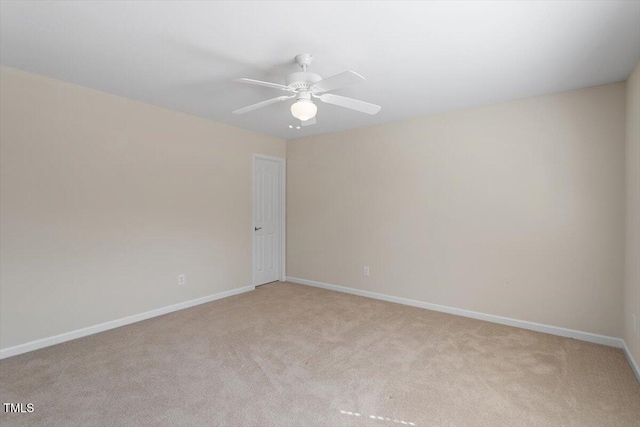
[(351, 103), (267, 84), (261, 104), (339, 80), (311, 121)]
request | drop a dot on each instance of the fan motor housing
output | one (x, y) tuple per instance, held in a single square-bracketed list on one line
[(302, 80)]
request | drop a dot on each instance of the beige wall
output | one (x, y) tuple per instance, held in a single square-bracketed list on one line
[(104, 201), (632, 264), (513, 210)]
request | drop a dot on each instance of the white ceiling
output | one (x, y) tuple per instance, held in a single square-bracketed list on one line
[(418, 57)]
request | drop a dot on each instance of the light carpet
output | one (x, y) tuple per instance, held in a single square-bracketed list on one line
[(292, 355)]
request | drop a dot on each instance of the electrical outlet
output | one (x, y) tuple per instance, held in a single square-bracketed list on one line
[(635, 323), (366, 270), (182, 279)]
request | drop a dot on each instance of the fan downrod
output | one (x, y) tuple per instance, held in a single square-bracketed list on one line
[(304, 60)]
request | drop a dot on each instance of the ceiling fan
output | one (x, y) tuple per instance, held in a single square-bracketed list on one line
[(306, 86)]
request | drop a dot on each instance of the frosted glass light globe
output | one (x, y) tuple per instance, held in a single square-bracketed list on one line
[(304, 110)]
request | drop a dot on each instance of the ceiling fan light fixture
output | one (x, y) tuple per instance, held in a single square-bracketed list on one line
[(304, 109), (304, 85)]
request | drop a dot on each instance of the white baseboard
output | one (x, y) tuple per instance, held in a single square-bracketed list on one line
[(553, 330), (632, 361), (79, 333)]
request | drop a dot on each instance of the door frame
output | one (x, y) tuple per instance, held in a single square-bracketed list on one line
[(282, 163)]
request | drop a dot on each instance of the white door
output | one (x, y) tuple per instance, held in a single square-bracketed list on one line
[(266, 220)]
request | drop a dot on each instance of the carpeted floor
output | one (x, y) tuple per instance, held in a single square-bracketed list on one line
[(291, 355)]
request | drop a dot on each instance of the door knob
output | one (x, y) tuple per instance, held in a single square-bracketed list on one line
[(257, 228)]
